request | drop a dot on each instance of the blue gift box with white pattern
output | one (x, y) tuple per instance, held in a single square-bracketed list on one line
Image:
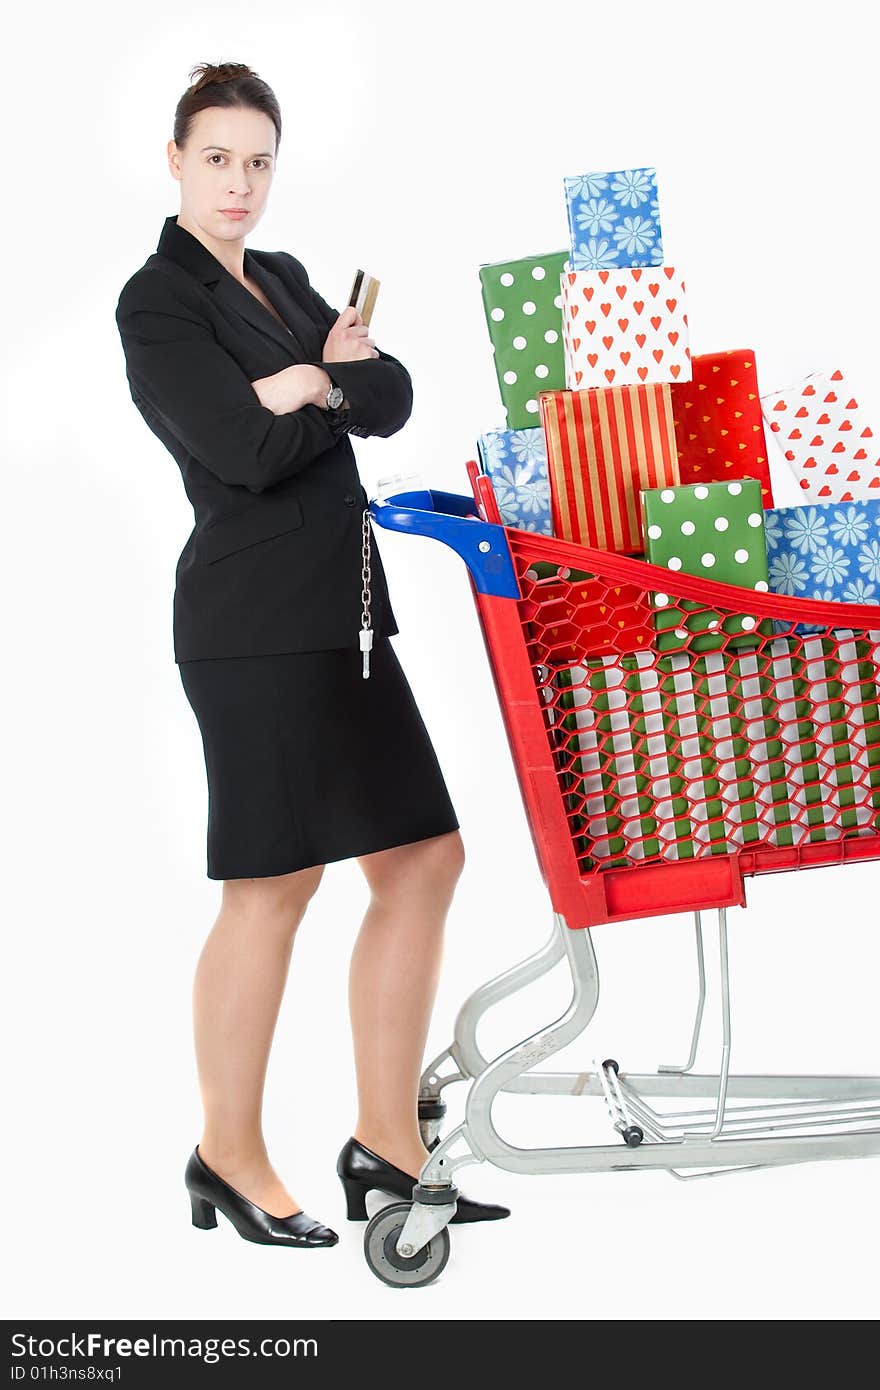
[(613, 219), (516, 462), (828, 550)]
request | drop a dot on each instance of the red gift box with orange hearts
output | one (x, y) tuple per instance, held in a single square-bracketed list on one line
[(626, 326), (825, 439), (719, 426), (603, 447)]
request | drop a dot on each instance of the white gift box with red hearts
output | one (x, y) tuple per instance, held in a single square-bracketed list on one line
[(624, 327), (824, 438)]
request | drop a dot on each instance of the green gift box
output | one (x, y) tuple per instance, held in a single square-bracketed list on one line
[(714, 531), (523, 304)]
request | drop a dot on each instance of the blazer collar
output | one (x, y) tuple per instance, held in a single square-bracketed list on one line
[(181, 246)]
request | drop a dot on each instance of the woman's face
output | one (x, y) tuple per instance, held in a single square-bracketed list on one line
[(228, 162)]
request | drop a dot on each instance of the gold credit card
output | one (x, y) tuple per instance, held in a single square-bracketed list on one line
[(363, 294)]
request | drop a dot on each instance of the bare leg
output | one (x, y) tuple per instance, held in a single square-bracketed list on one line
[(395, 969), (237, 993)]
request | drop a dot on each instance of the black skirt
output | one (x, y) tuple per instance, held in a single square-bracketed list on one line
[(308, 763)]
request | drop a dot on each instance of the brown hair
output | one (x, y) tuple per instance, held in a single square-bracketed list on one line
[(224, 84)]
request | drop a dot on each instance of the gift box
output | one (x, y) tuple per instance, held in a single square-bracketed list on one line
[(603, 447), (825, 439), (714, 530), (719, 424), (523, 305), (516, 462), (830, 552), (827, 551), (624, 327), (613, 219)]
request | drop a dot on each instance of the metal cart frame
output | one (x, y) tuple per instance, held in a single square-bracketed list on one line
[(791, 1118)]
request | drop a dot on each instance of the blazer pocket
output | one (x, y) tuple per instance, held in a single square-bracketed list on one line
[(248, 528)]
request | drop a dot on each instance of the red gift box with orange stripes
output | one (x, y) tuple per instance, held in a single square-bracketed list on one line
[(604, 445)]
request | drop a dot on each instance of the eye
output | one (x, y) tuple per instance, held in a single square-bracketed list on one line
[(262, 162)]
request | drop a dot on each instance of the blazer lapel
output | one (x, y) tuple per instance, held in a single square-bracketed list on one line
[(230, 291), (184, 248)]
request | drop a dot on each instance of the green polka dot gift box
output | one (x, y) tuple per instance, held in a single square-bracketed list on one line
[(714, 531), (523, 306)]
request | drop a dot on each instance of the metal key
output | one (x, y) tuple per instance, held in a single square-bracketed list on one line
[(366, 636)]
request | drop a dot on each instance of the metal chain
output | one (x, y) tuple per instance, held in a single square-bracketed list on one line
[(366, 635)]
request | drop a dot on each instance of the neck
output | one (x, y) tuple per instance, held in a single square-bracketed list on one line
[(230, 254)]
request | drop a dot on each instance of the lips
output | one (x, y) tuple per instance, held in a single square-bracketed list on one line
[(234, 212)]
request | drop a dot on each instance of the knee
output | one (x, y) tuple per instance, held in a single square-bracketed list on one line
[(427, 866), (450, 855), (282, 898)]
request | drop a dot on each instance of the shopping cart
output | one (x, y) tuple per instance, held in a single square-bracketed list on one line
[(657, 773)]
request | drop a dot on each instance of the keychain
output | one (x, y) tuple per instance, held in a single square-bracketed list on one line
[(366, 632)]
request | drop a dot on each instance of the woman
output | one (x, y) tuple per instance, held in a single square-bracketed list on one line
[(254, 383)]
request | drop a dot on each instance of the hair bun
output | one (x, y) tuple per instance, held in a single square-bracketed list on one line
[(204, 73), (228, 85)]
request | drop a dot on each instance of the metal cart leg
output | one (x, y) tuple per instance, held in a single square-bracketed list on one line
[(727, 1136), (701, 967), (463, 1051), (749, 1135)]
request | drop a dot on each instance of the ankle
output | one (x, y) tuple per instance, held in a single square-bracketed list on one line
[(403, 1150), (233, 1158)]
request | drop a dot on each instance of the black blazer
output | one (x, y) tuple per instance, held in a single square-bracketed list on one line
[(273, 562)]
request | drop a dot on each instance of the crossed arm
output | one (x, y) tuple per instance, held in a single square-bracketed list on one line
[(179, 373)]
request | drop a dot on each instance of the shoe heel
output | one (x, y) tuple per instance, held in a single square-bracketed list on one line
[(204, 1213), (355, 1199)]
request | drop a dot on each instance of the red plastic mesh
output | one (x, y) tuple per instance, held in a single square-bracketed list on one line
[(769, 739)]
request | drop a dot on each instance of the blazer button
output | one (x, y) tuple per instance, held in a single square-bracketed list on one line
[(349, 499)]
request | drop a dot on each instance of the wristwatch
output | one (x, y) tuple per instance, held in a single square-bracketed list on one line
[(338, 409)]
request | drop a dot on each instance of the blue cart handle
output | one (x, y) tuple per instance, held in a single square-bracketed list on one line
[(452, 518)]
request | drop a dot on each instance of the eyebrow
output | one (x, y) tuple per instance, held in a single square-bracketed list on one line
[(263, 154)]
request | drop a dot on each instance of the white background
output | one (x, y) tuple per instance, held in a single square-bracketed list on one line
[(418, 143)]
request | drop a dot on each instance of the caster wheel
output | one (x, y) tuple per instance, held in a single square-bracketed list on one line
[(633, 1136), (380, 1238), (610, 1062)]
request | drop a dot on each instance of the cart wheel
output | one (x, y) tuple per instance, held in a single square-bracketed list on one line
[(610, 1062), (633, 1136), (380, 1238)]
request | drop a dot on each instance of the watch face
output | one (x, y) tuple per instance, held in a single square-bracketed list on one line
[(335, 397)]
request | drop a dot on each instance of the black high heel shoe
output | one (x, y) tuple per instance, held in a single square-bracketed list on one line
[(360, 1170), (208, 1191)]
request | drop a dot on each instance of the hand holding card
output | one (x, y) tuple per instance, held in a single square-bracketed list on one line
[(364, 290), (348, 339)]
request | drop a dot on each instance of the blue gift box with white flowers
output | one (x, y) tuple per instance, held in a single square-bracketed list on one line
[(613, 219), (516, 462), (827, 551)]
